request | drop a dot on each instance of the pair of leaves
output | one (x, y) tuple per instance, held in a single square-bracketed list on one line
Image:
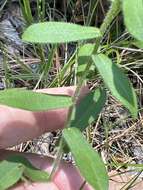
[(114, 78), (15, 168), (33, 101), (88, 161), (59, 32), (117, 82), (133, 16)]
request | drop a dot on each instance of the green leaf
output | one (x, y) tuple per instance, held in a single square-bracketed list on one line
[(88, 109), (84, 57), (88, 161), (133, 16), (59, 32), (10, 174), (33, 101), (31, 172), (138, 44), (117, 82), (36, 175)]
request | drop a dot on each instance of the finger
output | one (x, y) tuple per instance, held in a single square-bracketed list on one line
[(18, 126), (65, 91), (66, 178)]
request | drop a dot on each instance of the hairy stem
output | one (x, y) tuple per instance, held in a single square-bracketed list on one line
[(112, 13), (57, 159)]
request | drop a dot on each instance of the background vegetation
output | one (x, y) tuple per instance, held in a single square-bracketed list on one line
[(115, 134)]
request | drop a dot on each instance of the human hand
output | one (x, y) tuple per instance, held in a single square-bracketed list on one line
[(18, 126)]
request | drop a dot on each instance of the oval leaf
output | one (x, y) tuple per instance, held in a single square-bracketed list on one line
[(33, 101), (117, 82), (88, 161), (30, 171), (133, 16), (88, 109), (59, 32), (10, 174)]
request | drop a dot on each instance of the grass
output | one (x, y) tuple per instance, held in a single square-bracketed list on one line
[(114, 134)]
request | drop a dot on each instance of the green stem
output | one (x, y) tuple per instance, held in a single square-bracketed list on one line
[(57, 159), (113, 12), (111, 15)]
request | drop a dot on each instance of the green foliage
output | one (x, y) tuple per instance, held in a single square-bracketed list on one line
[(117, 82), (10, 173), (84, 57), (133, 16), (88, 161), (15, 168), (84, 113), (59, 32), (26, 10), (29, 171), (88, 109), (33, 101), (138, 44)]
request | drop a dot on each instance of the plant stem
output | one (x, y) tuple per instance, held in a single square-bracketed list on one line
[(57, 159), (112, 13)]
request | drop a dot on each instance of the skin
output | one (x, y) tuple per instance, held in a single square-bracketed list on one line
[(17, 126)]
